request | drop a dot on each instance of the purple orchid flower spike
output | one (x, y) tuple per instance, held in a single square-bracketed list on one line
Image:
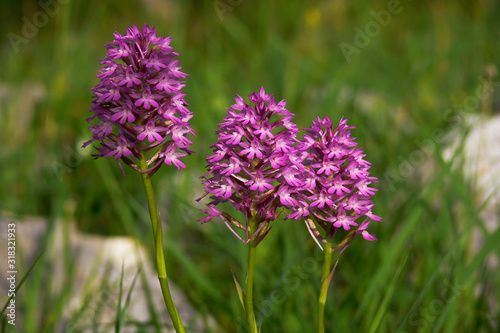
[(138, 104), (139, 117), (332, 193), (250, 167), (335, 186), (251, 170)]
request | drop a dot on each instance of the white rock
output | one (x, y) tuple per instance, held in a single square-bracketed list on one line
[(481, 153), (96, 258)]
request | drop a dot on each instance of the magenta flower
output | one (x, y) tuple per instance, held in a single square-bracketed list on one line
[(362, 230), (247, 169), (333, 191), (138, 104), (146, 98), (338, 186), (171, 157), (150, 131), (285, 195)]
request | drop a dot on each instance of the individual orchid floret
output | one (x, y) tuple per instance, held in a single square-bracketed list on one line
[(362, 231), (250, 166), (335, 189), (138, 104)]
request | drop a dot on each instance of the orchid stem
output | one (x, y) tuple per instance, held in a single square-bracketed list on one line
[(325, 283), (249, 282), (160, 257)]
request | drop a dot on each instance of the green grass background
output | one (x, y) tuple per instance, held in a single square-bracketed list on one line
[(396, 91)]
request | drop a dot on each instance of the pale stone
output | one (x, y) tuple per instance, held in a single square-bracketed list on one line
[(95, 258)]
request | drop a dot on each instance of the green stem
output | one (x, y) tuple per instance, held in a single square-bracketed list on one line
[(325, 282), (249, 281), (160, 257)]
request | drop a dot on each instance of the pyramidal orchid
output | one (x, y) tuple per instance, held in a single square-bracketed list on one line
[(336, 195), (139, 116), (250, 169), (138, 108)]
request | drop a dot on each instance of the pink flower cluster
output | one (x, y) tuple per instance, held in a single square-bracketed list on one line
[(335, 191), (250, 166), (259, 166), (139, 104)]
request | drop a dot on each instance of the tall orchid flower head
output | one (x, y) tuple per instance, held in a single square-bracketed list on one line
[(138, 105), (336, 193), (250, 168)]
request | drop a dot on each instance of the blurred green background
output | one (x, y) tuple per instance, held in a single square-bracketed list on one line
[(396, 89)]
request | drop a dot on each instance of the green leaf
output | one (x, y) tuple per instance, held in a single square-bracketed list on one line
[(241, 294)]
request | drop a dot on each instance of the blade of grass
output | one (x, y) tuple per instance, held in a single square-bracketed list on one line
[(118, 199), (388, 295), (465, 278), (119, 320), (58, 302), (102, 295), (25, 276), (4, 324), (93, 301), (121, 312), (35, 285), (149, 300), (445, 259), (192, 270), (129, 294), (390, 257)]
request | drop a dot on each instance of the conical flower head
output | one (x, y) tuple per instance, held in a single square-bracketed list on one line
[(138, 104), (337, 192), (250, 167)]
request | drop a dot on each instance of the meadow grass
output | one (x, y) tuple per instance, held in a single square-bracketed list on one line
[(420, 276)]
